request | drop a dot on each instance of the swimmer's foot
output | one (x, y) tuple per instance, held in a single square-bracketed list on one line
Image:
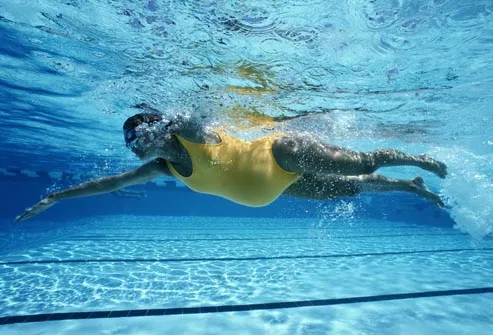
[(418, 186), (432, 165)]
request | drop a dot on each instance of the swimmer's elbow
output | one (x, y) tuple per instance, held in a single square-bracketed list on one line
[(135, 177)]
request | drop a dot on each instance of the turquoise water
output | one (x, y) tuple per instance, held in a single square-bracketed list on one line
[(129, 263), (411, 75)]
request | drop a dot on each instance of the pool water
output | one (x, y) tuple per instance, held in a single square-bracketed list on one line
[(411, 75), (265, 268)]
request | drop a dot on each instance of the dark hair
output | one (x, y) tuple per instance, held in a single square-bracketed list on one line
[(140, 118), (133, 121)]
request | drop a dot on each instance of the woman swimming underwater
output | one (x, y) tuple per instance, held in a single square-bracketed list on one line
[(252, 173)]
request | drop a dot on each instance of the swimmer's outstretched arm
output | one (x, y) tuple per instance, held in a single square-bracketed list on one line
[(140, 175)]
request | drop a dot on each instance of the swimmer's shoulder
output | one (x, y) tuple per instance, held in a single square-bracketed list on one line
[(196, 131)]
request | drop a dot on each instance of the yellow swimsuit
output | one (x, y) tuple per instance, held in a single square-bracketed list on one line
[(241, 171)]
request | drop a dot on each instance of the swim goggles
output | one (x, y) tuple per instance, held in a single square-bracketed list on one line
[(131, 137)]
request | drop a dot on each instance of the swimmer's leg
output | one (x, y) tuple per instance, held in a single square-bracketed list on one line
[(390, 157), (321, 187), (379, 183), (303, 155)]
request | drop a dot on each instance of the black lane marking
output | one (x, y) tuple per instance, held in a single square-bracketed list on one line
[(116, 227), (5, 320), (314, 238), (229, 259)]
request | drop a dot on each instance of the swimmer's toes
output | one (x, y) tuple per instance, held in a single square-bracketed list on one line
[(442, 171), (422, 190)]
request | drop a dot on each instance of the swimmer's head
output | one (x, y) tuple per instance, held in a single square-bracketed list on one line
[(147, 134)]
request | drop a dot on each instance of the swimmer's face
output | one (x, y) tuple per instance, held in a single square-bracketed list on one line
[(136, 141), (148, 139)]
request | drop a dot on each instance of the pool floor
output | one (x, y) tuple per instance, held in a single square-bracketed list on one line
[(134, 274)]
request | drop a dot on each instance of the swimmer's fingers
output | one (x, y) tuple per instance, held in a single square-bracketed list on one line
[(36, 209)]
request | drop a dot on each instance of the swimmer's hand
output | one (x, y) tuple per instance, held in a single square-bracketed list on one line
[(37, 208)]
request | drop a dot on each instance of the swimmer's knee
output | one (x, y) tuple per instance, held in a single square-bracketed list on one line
[(374, 160), (368, 163), (342, 186), (373, 178)]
